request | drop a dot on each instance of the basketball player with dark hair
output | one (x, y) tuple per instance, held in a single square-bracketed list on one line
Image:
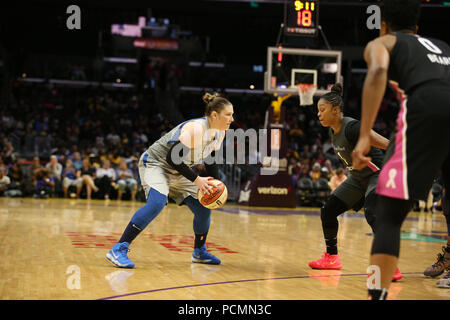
[(166, 171), (359, 188), (418, 69)]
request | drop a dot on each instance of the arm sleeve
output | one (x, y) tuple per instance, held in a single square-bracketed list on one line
[(212, 169), (182, 168)]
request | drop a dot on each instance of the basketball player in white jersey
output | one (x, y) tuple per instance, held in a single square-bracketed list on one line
[(166, 171)]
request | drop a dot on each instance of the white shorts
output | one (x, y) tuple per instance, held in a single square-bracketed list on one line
[(126, 183), (67, 182), (157, 175)]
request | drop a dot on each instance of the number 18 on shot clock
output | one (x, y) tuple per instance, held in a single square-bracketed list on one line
[(301, 17)]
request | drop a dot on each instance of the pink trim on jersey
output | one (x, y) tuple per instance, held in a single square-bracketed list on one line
[(372, 166), (393, 179)]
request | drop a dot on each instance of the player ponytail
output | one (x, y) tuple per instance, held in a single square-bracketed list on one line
[(335, 96), (214, 102)]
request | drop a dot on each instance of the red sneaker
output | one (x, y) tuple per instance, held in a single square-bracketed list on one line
[(397, 275), (327, 262)]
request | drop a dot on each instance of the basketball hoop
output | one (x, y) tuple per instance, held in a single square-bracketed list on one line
[(306, 93)]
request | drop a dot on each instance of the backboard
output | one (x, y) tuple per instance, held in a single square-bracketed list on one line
[(287, 67)]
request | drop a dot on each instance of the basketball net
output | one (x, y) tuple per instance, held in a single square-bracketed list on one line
[(306, 93)]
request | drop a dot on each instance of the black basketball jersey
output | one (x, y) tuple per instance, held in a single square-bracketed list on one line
[(345, 141), (415, 60)]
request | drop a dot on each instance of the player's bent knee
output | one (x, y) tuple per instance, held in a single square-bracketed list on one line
[(390, 214), (156, 198), (196, 207), (202, 215), (332, 208), (369, 209), (156, 201)]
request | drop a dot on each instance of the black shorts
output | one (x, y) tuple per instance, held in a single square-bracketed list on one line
[(353, 191), (420, 145)]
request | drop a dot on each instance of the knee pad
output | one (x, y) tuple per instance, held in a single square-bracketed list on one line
[(332, 209), (156, 201), (202, 215)]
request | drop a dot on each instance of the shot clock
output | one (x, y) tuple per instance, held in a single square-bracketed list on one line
[(301, 17)]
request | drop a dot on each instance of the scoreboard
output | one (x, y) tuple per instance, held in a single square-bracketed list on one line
[(301, 17)]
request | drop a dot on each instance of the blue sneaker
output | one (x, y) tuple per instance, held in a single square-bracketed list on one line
[(200, 255), (118, 255)]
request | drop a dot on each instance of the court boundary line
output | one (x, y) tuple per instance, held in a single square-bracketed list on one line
[(236, 281)]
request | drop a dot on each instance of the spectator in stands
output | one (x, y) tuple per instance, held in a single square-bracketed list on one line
[(5, 181), (306, 153), (317, 146), (292, 153), (55, 168), (296, 133), (3, 166), (294, 169), (105, 180), (325, 173), (87, 175), (95, 161), (7, 150), (112, 137), (320, 158), (17, 179), (329, 166), (103, 155), (115, 158), (35, 167), (337, 178), (70, 179), (315, 173), (135, 169), (62, 157), (305, 172), (125, 181), (76, 160), (44, 184)]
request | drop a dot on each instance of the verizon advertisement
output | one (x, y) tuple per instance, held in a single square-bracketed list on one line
[(269, 191)]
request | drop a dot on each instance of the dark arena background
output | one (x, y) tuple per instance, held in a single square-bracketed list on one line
[(90, 85)]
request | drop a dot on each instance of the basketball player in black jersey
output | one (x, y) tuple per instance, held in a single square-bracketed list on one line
[(359, 188), (418, 69)]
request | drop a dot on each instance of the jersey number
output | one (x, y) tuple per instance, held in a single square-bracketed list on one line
[(429, 45)]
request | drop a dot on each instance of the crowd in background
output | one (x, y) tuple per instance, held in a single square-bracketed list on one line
[(66, 126), (85, 142)]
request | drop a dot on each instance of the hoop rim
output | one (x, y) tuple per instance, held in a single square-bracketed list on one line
[(305, 87)]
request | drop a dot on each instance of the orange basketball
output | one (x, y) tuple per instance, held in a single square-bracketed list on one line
[(217, 198)]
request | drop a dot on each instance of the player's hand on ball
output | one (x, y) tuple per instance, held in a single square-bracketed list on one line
[(359, 158), (204, 184), (216, 198)]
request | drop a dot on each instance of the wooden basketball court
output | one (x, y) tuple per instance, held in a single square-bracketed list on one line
[(55, 249)]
